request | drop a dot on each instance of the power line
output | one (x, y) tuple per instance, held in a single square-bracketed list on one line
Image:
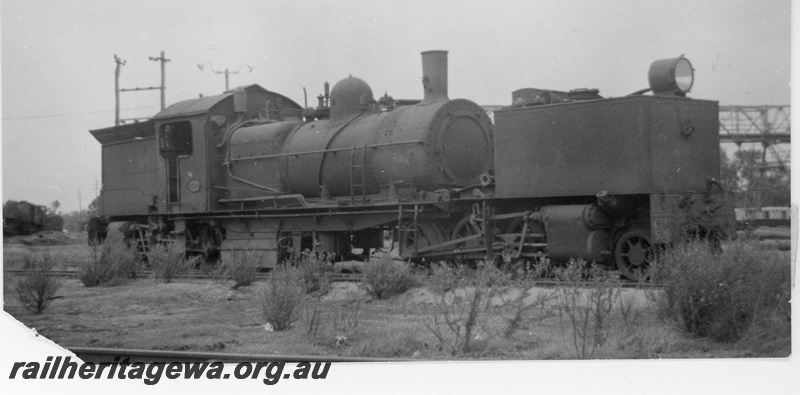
[(73, 114), (226, 72)]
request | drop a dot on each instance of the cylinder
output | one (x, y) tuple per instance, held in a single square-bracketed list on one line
[(434, 76), (574, 232)]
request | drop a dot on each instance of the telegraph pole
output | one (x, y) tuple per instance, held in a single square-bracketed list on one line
[(120, 63), (226, 72), (117, 90), (163, 61)]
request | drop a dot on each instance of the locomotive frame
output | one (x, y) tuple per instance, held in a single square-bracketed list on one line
[(559, 174)]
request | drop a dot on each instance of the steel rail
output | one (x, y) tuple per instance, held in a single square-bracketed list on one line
[(335, 277), (344, 277)]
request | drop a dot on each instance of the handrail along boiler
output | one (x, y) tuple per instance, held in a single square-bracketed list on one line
[(557, 174)]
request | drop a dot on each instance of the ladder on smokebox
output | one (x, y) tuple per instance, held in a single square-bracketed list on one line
[(358, 181)]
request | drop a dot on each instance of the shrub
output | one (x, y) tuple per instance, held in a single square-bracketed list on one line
[(315, 276), (216, 270), (586, 299), (722, 295), (337, 324), (522, 309), (244, 268), (385, 278), (110, 263), (445, 278), (37, 289), (282, 298), (347, 318), (473, 307), (167, 264), (28, 260), (315, 318)]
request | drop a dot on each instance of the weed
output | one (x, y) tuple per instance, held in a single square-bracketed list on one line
[(347, 320), (321, 322), (28, 260), (244, 268), (37, 289), (110, 263), (282, 298), (167, 264), (314, 320), (628, 309), (385, 278), (522, 309), (315, 275), (391, 343), (586, 308), (736, 295), (218, 271), (445, 278), (469, 308)]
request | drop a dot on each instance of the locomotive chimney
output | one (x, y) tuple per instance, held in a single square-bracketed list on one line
[(434, 76)]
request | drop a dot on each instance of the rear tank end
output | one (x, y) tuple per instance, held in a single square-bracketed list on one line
[(641, 170)]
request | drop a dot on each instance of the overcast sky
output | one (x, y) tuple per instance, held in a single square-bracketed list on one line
[(58, 60)]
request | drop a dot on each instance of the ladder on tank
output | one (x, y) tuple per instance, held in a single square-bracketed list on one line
[(358, 164)]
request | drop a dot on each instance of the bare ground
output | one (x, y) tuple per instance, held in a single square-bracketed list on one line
[(205, 315)]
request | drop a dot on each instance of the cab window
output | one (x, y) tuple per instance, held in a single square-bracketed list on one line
[(175, 139)]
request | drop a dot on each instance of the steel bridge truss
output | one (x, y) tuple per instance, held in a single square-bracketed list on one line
[(769, 126)]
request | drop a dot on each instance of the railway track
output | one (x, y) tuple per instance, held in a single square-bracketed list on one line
[(335, 277), (107, 355)]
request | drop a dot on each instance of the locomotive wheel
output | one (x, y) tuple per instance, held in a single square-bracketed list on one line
[(210, 240), (428, 233), (466, 228), (633, 253)]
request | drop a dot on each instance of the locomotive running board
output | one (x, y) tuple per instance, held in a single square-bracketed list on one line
[(300, 199)]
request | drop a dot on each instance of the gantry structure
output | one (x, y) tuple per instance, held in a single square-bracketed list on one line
[(768, 126), (759, 128)]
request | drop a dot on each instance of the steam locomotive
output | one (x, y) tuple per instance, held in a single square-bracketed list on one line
[(24, 218), (556, 174)]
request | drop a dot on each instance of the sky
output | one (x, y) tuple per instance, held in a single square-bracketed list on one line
[(58, 60)]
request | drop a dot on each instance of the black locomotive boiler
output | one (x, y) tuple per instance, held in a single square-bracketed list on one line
[(557, 174)]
